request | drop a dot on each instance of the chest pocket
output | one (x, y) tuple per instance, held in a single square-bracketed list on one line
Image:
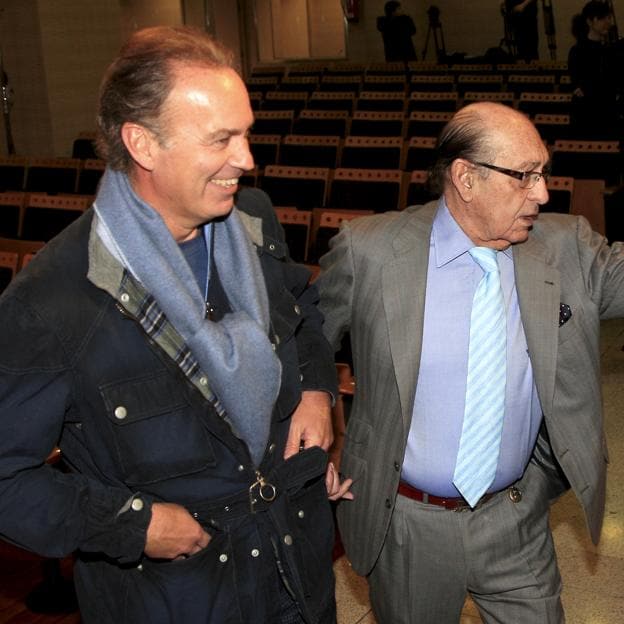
[(157, 433)]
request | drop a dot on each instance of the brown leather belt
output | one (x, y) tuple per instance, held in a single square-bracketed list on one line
[(454, 504)]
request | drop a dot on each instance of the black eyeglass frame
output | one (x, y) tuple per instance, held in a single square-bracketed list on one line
[(528, 179)]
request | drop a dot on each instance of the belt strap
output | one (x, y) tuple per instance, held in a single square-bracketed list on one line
[(288, 477)]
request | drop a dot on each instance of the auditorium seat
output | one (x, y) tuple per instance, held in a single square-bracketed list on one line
[(420, 153), (332, 100), (262, 84), (386, 84), (285, 100), (89, 176), (46, 215), (417, 189), (265, 148), (83, 146), (346, 84), (11, 211), (310, 151), (588, 160), (52, 175), (530, 83), (372, 152), (273, 122), (552, 127), (12, 173), (368, 189), (432, 101), (560, 190), (479, 82), (345, 68), (431, 83), (377, 123), (551, 103), (303, 187), (502, 97), (8, 267), (386, 68), (21, 247), (381, 101), (322, 122), (427, 123), (306, 84)]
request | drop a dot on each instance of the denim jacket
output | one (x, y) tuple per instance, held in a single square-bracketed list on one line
[(77, 370)]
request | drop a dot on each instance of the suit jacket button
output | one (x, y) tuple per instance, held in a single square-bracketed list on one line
[(388, 503), (515, 495)]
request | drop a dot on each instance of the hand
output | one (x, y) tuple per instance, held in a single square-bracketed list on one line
[(173, 533), (311, 423), (336, 489)]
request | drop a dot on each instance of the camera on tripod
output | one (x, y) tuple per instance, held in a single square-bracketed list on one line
[(434, 17)]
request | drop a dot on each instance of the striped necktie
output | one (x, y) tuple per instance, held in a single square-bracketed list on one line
[(479, 444)]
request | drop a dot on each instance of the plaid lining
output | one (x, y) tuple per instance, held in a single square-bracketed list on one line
[(143, 307)]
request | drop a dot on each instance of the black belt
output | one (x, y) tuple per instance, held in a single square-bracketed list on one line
[(289, 476)]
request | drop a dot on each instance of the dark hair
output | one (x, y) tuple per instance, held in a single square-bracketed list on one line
[(137, 83), (391, 7), (465, 136), (595, 9)]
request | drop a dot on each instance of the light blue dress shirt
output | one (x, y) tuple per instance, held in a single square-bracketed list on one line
[(433, 440)]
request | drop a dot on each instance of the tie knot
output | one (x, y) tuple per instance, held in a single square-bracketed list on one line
[(485, 257)]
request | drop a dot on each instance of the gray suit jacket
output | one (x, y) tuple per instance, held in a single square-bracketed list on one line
[(373, 285)]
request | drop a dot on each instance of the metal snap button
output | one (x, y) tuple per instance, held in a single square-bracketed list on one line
[(137, 504), (515, 495), (120, 412)]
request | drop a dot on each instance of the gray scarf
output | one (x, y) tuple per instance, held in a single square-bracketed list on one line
[(235, 354)]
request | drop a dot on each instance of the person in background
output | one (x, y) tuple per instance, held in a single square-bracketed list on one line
[(594, 73), (523, 20), (397, 30), (474, 326), (170, 348)]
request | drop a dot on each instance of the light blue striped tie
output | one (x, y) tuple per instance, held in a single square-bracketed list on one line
[(479, 444)]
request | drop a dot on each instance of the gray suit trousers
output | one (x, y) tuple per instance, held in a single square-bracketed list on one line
[(501, 553)]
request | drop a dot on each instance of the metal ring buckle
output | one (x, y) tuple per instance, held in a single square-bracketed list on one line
[(266, 491)]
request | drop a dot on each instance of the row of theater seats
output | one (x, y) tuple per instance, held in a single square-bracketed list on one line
[(320, 70), (383, 123), (529, 102), (308, 230), (577, 159), (460, 83), (14, 256), (50, 175), (38, 216)]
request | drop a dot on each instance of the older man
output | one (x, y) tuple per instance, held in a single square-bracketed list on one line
[(474, 328), (170, 348)]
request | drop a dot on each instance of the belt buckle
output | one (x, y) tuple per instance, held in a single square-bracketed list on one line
[(261, 488)]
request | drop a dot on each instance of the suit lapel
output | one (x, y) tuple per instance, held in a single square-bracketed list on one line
[(539, 292), (404, 281)]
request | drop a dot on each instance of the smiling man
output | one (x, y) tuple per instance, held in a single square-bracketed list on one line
[(474, 332), (168, 345)]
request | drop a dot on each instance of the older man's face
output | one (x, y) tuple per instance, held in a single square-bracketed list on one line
[(204, 149), (502, 212)]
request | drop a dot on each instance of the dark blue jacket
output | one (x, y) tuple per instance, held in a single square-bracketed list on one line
[(69, 358)]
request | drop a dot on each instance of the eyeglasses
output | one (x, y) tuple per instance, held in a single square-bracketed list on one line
[(528, 179)]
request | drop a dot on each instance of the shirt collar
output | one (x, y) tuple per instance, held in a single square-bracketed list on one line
[(448, 239)]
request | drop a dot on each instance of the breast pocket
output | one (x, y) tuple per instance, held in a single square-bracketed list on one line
[(156, 432)]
